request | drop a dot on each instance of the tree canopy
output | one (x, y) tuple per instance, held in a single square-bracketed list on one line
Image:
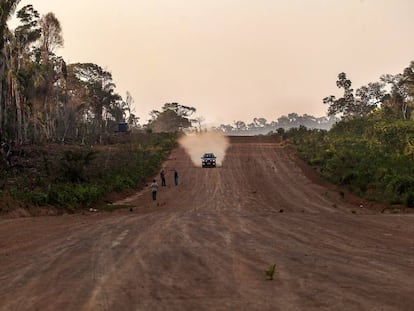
[(173, 118), (374, 97), (43, 99)]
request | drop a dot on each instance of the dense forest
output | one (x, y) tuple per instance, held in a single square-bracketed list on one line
[(43, 99)]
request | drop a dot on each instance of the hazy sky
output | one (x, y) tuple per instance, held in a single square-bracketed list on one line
[(236, 59)]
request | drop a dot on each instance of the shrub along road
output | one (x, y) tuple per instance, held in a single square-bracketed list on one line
[(206, 243)]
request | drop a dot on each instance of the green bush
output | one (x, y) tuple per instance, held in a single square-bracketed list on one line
[(38, 198), (400, 184), (86, 194), (122, 182), (61, 195), (373, 158), (74, 163), (409, 199)]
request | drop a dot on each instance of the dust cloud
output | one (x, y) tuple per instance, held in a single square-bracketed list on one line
[(197, 144)]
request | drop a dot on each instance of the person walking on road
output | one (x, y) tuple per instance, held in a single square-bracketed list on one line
[(154, 188), (162, 175), (176, 177)]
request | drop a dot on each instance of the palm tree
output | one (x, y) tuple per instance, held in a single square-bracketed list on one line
[(7, 8)]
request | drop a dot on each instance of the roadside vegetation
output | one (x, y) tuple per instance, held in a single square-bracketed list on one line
[(72, 177), (373, 159), (371, 150)]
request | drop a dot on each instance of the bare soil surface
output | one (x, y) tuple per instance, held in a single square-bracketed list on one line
[(206, 243)]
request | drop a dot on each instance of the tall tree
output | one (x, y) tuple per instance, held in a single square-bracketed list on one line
[(99, 95), (20, 65), (132, 119), (7, 8), (173, 117), (343, 105), (397, 103), (365, 100), (368, 98), (50, 40), (409, 82), (51, 35)]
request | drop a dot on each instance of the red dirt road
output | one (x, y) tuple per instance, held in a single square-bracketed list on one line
[(204, 245)]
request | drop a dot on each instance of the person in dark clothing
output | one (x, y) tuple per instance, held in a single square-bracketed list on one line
[(162, 175), (176, 177)]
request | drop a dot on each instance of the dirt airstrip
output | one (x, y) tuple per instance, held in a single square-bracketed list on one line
[(204, 245)]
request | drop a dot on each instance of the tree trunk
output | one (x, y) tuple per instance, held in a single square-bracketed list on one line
[(404, 110), (35, 134), (45, 118), (2, 105), (25, 124), (66, 121), (19, 125)]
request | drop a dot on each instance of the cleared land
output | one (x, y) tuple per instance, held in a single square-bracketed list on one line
[(204, 245)]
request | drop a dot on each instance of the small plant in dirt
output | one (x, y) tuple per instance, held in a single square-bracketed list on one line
[(270, 272)]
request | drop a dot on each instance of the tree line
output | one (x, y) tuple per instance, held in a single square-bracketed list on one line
[(261, 126), (44, 99), (390, 98)]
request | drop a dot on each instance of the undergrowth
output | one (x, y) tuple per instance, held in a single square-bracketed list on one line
[(72, 177), (372, 158)]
